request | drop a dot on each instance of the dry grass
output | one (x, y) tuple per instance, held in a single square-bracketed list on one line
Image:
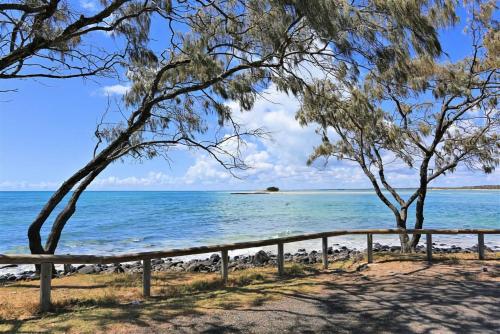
[(113, 303), (90, 303)]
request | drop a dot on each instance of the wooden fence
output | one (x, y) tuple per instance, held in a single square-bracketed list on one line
[(46, 261)]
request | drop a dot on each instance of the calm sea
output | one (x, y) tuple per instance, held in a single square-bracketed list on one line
[(114, 222)]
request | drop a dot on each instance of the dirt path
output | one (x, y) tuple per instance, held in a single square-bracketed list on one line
[(399, 297), (387, 297)]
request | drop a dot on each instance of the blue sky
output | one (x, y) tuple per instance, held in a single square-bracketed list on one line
[(47, 126)]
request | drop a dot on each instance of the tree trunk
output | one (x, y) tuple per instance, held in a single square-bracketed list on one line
[(419, 210), (419, 218), (403, 237), (97, 164)]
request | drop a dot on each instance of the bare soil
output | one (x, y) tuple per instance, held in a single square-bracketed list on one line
[(390, 296)]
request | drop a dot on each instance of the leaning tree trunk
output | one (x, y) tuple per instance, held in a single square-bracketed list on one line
[(61, 219), (83, 177)]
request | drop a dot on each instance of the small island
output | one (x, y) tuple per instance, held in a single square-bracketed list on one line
[(268, 190)]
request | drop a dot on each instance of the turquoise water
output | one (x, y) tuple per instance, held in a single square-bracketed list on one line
[(114, 222)]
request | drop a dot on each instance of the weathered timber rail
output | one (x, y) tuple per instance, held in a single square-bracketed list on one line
[(46, 261)]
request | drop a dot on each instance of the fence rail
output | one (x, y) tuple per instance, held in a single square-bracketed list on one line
[(46, 260)]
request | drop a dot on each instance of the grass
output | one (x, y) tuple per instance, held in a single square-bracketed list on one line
[(89, 303), (107, 303)]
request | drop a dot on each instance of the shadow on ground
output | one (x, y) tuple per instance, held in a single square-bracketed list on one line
[(443, 298)]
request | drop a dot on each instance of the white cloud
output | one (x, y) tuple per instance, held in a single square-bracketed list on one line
[(25, 185), (115, 89), (279, 160), (90, 5), (152, 179)]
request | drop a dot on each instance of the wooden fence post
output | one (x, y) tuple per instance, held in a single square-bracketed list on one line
[(45, 282), (281, 260), (325, 252), (428, 239), (480, 245), (146, 277), (223, 268), (369, 247)]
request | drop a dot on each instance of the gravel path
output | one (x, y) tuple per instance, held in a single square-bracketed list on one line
[(392, 297)]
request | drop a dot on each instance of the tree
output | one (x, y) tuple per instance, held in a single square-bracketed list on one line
[(211, 51), (47, 38), (427, 116)]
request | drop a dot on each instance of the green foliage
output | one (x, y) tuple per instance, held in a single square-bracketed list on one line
[(418, 112)]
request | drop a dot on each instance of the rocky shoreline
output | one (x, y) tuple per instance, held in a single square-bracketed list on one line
[(238, 262)]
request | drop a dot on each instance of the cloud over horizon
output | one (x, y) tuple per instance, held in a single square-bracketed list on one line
[(279, 160)]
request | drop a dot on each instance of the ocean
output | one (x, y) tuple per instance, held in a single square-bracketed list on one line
[(118, 222)]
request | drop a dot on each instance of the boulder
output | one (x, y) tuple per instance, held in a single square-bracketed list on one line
[(214, 258), (116, 269), (87, 270), (395, 248), (195, 267), (261, 257)]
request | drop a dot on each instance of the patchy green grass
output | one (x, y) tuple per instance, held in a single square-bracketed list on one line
[(92, 303), (113, 302)]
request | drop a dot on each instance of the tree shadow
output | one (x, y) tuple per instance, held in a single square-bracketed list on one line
[(349, 302)]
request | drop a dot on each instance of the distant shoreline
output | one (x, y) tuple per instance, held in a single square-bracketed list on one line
[(253, 191), (485, 187)]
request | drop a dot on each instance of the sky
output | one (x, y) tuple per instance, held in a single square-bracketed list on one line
[(47, 127)]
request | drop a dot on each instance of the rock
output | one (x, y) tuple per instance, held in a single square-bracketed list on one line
[(485, 269), (194, 267), (301, 250), (305, 260), (177, 268), (341, 257), (329, 250), (87, 270), (312, 259), (68, 268), (115, 269), (156, 261), (261, 257), (214, 258)]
